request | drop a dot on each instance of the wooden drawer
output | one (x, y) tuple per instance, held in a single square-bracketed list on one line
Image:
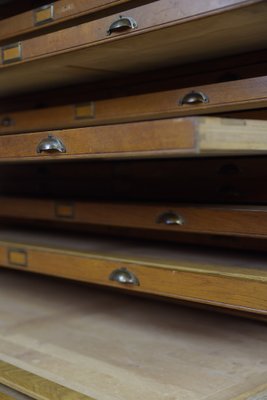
[(221, 220), (8, 393), (221, 97), (161, 138), (169, 36), (233, 280), (122, 347), (34, 22)]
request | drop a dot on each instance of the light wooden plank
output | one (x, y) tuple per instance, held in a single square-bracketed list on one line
[(232, 279), (7, 393), (114, 347), (35, 386)]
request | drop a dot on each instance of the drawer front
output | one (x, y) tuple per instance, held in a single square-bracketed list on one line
[(236, 292), (146, 17), (238, 221), (31, 22), (158, 138), (86, 52), (236, 95)]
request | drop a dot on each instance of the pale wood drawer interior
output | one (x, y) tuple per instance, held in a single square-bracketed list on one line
[(116, 346)]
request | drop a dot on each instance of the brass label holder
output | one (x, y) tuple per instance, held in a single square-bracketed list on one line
[(11, 53), (17, 257), (64, 210), (84, 110), (43, 15)]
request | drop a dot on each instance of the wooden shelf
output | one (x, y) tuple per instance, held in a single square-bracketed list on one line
[(110, 346), (243, 94), (53, 15), (178, 137), (249, 221), (227, 279), (85, 53)]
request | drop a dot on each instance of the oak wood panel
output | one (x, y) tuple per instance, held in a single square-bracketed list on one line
[(4, 396), (209, 219), (159, 138), (236, 95), (162, 45), (116, 346), (226, 69), (7, 393), (19, 25), (147, 138), (147, 16), (33, 385), (232, 279)]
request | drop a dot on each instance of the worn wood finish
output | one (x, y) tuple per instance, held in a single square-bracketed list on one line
[(153, 138), (22, 24), (233, 280), (33, 385), (159, 138), (4, 396), (238, 95), (6, 393), (117, 346), (226, 69), (210, 219), (163, 44)]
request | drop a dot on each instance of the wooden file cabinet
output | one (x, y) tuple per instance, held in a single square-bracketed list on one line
[(155, 124), (148, 184)]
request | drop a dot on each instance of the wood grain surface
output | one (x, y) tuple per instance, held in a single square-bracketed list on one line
[(111, 347), (226, 96), (85, 53), (249, 221), (158, 138), (231, 279), (33, 385), (23, 24), (7, 393)]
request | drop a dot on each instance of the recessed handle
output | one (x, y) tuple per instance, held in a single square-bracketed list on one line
[(170, 218), (122, 275), (122, 24), (194, 98), (51, 144)]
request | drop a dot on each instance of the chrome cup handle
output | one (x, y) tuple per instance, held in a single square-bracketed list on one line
[(122, 24), (51, 144), (170, 218), (124, 276)]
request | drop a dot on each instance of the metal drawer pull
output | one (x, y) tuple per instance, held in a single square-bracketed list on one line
[(122, 275), (122, 24), (170, 218), (51, 145), (194, 98)]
